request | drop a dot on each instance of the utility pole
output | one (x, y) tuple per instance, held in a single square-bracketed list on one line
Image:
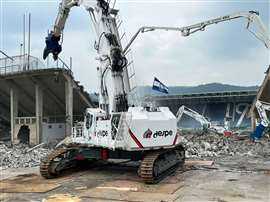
[(23, 42), (29, 40), (21, 49)]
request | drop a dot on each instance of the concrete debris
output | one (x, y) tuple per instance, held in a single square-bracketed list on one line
[(35, 147), (20, 155), (198, 163), (214, 146)]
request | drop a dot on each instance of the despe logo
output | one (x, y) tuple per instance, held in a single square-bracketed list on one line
[(147, 134), (165, 133)]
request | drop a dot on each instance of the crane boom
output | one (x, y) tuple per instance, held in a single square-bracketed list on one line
[(252, 17)]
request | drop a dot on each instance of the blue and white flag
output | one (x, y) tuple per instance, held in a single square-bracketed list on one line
[(158, 86)]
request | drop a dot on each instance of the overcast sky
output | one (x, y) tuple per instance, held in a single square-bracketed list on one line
[(225, 53)]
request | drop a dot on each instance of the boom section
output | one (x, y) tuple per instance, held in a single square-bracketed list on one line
[(252, 17), (113, 87)]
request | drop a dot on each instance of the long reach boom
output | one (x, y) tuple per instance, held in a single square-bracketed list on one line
[(114, 84)]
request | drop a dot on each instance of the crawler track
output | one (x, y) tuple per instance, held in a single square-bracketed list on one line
[(156, 165), (49, 166)]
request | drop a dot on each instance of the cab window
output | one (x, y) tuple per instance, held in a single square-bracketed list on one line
[(89, 120)]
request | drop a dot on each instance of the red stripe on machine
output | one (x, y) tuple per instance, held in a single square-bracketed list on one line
[(134, 138), (176, 136)]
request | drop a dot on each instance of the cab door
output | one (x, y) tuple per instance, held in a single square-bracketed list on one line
[(90, 125)]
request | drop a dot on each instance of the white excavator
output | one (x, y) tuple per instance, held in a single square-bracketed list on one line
[(116, 130), (262, 108), (206, 124)]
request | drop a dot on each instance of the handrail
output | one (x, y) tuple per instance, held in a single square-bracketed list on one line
[(20, 63)]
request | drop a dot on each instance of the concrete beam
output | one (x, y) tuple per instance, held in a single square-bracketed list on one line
[(77, 88), (28, 98), (6, 99), (49, 92), (263, 87), (13, 84), (86, 101)]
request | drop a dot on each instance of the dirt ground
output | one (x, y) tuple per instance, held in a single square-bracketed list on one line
[(231, 179)]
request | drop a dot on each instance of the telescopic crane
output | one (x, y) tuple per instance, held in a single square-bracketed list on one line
[(116, 130)]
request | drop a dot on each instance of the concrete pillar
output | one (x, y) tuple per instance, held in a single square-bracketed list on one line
[(204, 109), (69, 105), (234, 110), (39, 115), (13, 112)]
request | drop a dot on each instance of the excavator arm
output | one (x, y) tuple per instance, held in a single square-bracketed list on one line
[(53, 38), (206, 125), (108, 46), (251, 16), (193, 114), (261, 107)]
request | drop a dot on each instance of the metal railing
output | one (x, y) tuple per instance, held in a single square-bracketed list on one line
[(25, 120), (77, 131), (24, 63), (201, 95), (47, 119)]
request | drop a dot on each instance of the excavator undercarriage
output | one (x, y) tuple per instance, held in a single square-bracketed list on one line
[(154, 165)]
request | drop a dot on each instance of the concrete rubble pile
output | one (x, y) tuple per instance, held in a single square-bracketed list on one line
[(20, 155), (213, 145)]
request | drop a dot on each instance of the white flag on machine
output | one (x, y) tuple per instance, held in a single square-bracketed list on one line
[(158, 86)]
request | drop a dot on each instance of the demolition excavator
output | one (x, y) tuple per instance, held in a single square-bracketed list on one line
[(116, 130), (262, 108), (205, 123)]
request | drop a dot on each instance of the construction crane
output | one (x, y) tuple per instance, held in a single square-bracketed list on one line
[(206, 125), (252, 17), (115, 129), (262, 108)]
